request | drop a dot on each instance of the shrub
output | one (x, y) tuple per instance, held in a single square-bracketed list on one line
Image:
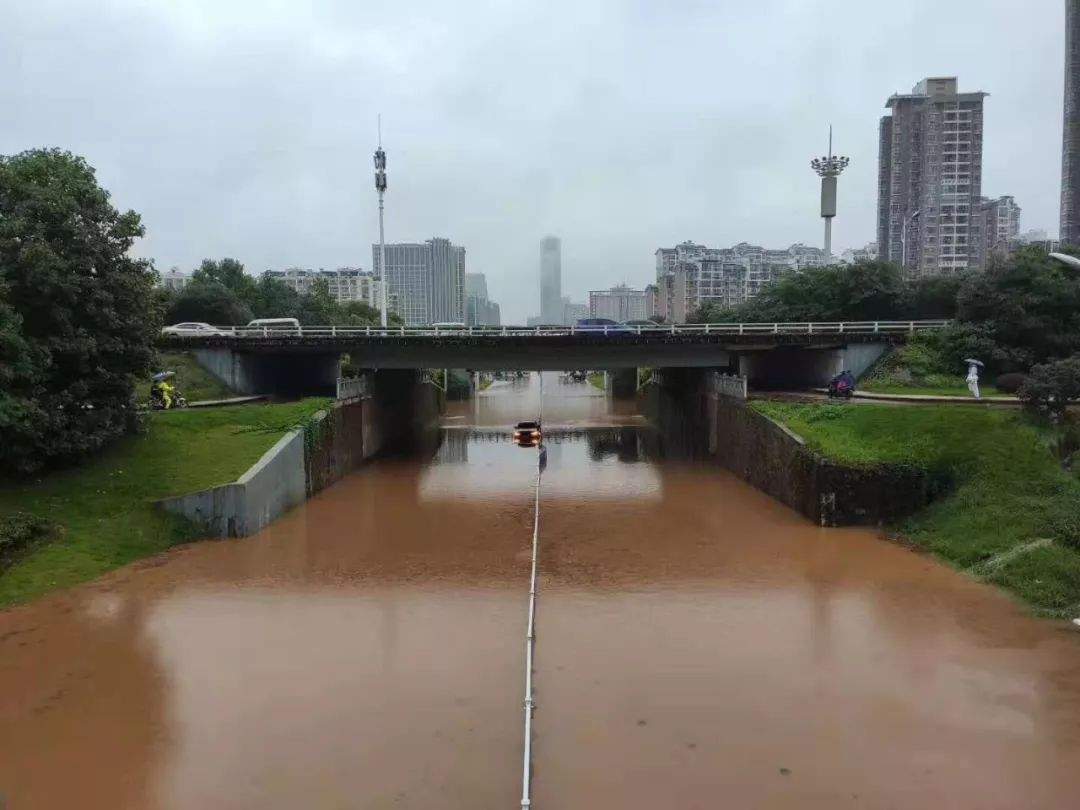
[(1052, 387), (1010, 383), (18, 532)]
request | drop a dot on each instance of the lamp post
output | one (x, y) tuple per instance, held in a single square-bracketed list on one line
[(829, 168), (380, 187), (903, 239), (1065, 258)]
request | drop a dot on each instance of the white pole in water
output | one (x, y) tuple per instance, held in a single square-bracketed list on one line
[(380, 186), (530, 633)]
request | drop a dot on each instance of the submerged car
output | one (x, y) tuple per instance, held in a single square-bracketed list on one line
[(527, 434)]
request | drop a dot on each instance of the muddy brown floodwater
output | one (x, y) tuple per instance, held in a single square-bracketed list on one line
[(700, 646)]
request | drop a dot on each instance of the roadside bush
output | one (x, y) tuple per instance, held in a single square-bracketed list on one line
[(1052, 387), (1010, 383), (18, 532)]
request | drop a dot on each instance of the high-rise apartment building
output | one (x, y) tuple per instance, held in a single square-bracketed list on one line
[(620, 303), (427, 279), (1070, 145), (930, 178), (551, 309), (689, 276), (996, 228)]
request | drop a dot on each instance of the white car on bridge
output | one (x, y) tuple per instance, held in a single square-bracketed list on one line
[(193, 329)]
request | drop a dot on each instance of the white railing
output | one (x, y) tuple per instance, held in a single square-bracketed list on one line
[(745, 329), (353, 388)]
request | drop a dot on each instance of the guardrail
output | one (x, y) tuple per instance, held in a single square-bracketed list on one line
[(777, 328)]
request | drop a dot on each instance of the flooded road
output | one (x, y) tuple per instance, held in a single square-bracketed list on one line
[(699, 646)]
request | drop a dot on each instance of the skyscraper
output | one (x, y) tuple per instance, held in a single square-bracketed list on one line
[(1070, 142), (426, 279), (551, 308), (930, 178)]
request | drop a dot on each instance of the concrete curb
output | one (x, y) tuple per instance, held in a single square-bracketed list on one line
[(929, 399)]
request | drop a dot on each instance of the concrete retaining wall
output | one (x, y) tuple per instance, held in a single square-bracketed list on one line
[(401, 414), (272, 486), (694, 420), (777, 461)]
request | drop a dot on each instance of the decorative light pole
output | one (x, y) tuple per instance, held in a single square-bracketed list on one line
[(829, 168), (380, 187)]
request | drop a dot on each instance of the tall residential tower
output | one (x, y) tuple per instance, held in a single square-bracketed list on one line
[(930, 178), (1070, 146)]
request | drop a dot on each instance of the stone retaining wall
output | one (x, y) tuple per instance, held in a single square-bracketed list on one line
[(772, 458), (694, 419)]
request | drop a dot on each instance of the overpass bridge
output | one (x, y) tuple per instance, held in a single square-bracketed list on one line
[(261, 360)]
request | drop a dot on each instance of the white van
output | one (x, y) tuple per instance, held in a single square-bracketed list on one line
[(290, 326)]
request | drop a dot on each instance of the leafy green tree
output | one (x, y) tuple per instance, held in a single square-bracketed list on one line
[(273, 298), (318, 307), (78, 313), (1027, 306), (230, 274), (1052, 387), (209, 301)]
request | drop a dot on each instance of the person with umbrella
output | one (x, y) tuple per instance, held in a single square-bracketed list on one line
[(973, 376)]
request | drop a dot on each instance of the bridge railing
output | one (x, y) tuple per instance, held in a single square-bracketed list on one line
[(775, 328)]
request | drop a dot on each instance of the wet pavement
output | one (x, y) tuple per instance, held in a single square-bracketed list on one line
[(699, 646)]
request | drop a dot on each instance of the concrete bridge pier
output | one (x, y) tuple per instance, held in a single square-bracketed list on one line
[(621, 383)]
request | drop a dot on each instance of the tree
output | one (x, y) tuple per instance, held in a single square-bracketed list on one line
[(1052, 387), (1028, 307), (866, 291), (209, 301), (273, 298), (78, 317), (318, 307), (229, 273)]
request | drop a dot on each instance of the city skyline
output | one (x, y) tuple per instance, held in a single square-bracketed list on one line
[(271, 167)]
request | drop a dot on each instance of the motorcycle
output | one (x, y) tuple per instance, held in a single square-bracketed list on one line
[(164, 396), (842, 386)]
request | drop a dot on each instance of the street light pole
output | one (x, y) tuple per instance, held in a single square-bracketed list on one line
[(829, 168), (380, 187)]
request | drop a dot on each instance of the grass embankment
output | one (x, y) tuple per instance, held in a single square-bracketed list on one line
[(946, 387), (192, 380), (596, 380), (1004, 489), (915, 368), (104, 509)]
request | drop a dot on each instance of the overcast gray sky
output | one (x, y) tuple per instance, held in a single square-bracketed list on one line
[(246, 128)]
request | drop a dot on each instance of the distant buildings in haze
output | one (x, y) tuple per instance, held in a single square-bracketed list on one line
[(620, 303), (344, 284), (551, 302), (175, 279), (690, 276), (479, 309)]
